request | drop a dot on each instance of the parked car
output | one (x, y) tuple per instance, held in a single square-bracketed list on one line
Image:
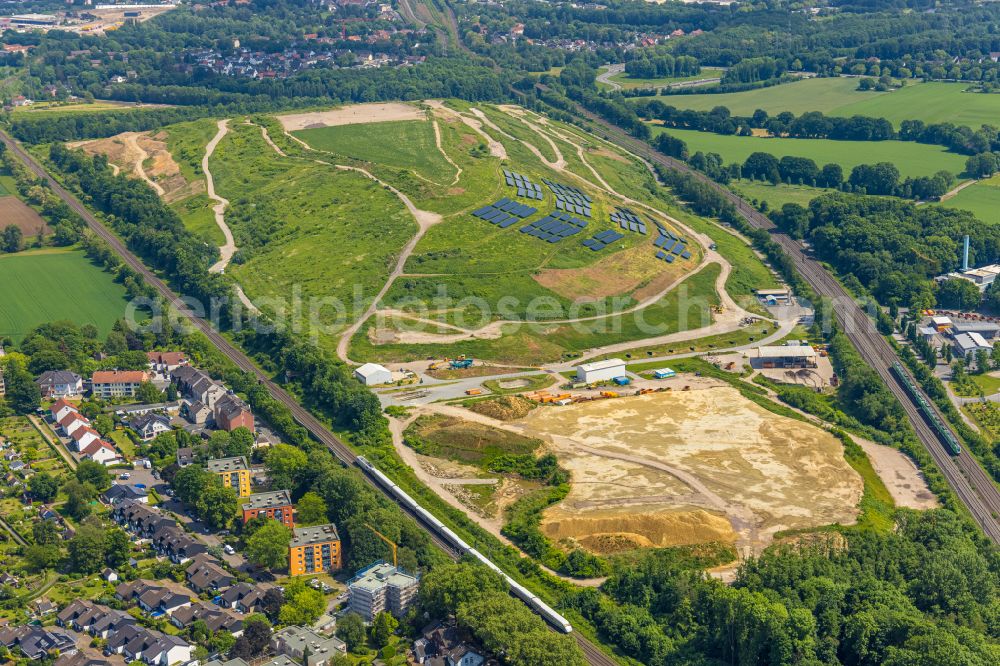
[(229, 550)]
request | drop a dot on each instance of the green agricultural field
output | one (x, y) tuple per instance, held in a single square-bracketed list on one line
[(931, 102), (912, 159), (65, 108), (981, 199), (48, 285), (406, 144), (777, 196), (629, 83)]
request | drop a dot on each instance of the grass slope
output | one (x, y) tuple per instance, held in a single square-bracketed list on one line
[(48, 285), (406, 144), (981, 199), (912, 159), (931, 102), (629, 83)]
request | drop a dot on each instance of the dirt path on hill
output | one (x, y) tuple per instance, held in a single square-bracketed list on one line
[(497, 149), (517, 114), (132, 139), (437, 141), (227, 251)]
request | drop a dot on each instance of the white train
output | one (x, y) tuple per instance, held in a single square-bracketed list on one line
[(518, 590)]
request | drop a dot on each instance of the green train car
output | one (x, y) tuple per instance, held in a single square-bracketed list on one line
[(940, 428)]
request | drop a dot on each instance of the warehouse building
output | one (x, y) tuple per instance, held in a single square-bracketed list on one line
[(987, 329), (600, 371), (967, 344), (373, 374), (784, 356)]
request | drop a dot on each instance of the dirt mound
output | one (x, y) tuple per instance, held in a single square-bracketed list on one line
[(146, 157), (504, 408), (465, 441), (606, 532)]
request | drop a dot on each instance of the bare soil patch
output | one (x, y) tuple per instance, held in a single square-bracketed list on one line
[(615, 274), (352, 115), (739, 472), (145, 156), (16, 212), (901, 477), (471, 371)]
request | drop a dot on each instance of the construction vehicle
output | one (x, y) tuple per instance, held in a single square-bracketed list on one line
[(474, 392), (608, 394), (389, 542), (461, 363)]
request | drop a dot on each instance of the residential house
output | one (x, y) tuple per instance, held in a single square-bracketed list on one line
[(185, 456), (205, 574), (142, 520), (235, 473), (242, 597), (136, 643), (314, 549), (196, 412), (7, 578), (215, 618), (148, 426), (82, 658), (43, 607), (71, 421), (276, 505), (300, 643), (60, 408), (37, 643), (231, 412), (107, 384), (445, 645), (59, 384), (83, 436), (172, 542), (101, 452), (154, 597), (166, 362), (110, 575), (197, 386), (89, 617), (120, 491)]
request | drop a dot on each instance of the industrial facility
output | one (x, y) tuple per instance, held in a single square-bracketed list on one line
[(600, 371)]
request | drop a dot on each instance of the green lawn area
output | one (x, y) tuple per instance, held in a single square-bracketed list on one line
[(628, 83), (777, 196), (197, 215), (981, 199), (406, 144), (51, 284), (988, 383), (912, 159), (931, 102)]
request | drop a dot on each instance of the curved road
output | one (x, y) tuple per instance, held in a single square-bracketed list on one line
[(595, 656), (973, 487)]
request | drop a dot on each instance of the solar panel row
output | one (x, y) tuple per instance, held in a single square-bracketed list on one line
[(552, 229), (504, 212), (562, 204), (601, 240)]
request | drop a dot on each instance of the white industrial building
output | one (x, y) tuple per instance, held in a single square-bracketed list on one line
[(987, 329), (969, 343), (600, 371), (372, 374), (785, 356)]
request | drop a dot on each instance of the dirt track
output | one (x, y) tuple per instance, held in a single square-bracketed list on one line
[(352, 115)]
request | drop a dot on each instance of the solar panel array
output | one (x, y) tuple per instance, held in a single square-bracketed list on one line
[(525, 188), (554, 227), (671, 247), (628, 220), (504, 212), (603, 239), (570, 199)]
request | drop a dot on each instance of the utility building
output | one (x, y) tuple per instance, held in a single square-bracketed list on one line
[(372, 374), (600, 371)]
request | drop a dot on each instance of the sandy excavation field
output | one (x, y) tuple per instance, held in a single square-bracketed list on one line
[(690, 467), (145, 156), (352, 115)]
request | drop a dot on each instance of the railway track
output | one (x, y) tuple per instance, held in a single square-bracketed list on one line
[(593, 654), (970, 483)]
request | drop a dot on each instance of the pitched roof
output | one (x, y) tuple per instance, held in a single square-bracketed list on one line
[(167, 358), (52, 377), (120, 377), (83, 430), (96, 446), (71, 417)]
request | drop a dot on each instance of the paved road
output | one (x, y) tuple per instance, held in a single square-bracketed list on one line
[(968, 480)]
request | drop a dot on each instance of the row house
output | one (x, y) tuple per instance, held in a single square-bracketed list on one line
[(137, 643), (139, 519), (88, 617), (177, 545), (153, 597), (208, 400), (215, 618), (206, 575), (37, 643), (242, 597)]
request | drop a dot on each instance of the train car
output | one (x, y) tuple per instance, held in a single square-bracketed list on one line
[(927, 410), (518, 590)]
